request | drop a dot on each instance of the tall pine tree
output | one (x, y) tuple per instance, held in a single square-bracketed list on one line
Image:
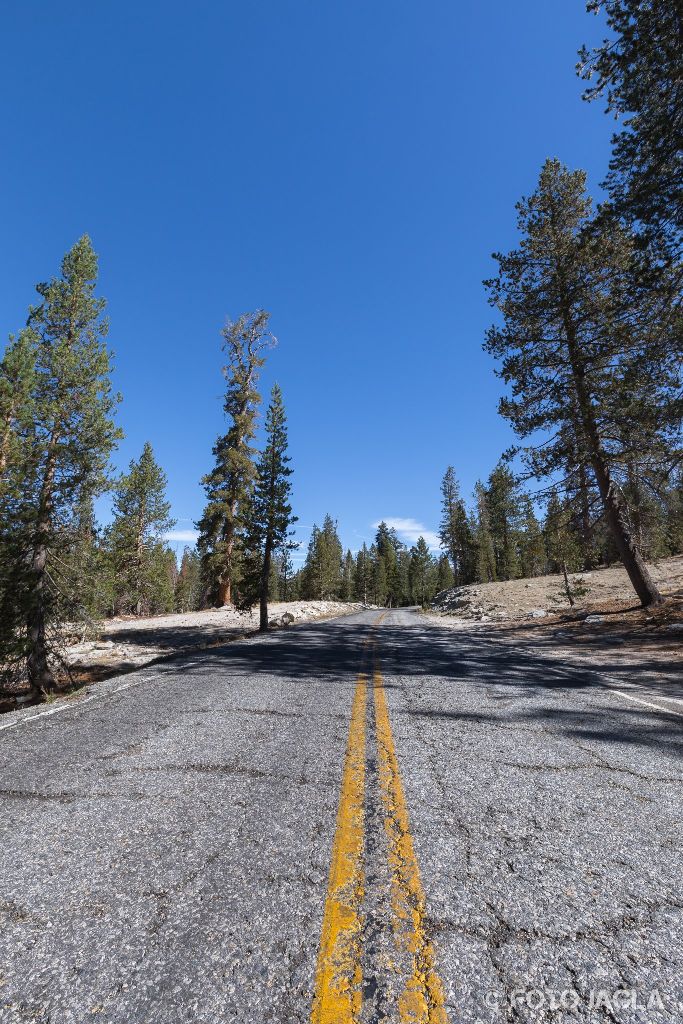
[(503, 505), (63, 435), (270, 512), (583, 348), (454, 530), (187, 597), (142, 515), (230, 484), (485, 556), (322, 572), (421, 572)]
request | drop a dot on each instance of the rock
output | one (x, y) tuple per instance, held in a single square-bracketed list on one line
[(594, 618), (537, 613), (674, 627)]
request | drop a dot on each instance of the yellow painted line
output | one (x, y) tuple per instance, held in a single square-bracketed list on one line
[(422, 999), (338, 983), (338, 995)]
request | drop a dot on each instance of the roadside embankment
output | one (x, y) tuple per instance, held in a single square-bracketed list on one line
[(606, 629)]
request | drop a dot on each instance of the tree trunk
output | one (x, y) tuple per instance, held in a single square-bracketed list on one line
[(224, 592), (139, 549), (41, 677), (4, 443), (40, 674), (567, 587), (224, 595), (586, 535), (632, 560), (265, 582), (643, 584)]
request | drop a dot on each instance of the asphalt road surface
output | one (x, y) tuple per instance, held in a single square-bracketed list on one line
[(363, 820)]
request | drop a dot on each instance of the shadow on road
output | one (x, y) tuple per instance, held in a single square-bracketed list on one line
[(516, 685)]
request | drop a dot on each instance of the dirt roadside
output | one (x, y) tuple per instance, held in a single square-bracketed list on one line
[(606, 629)]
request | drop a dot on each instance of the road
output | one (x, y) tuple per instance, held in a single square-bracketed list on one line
[(367, 819)]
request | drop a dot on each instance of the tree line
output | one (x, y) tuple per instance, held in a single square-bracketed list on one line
[(57, 434), (502, 534)]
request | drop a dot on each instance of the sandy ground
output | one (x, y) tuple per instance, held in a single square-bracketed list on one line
[(607, 628), (544, 595)]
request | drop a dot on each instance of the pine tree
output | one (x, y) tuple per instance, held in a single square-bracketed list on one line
[(270, 512), (564, 550), (80, 567), (285, 574), (363, 576), (532, 548), (640, 71), (486, 561), (322, 573), (65, 411), (230, 484), (17, 395), (332, 553), (503, 505), (582, 496), (586, 347), (188, 588), (347, 578), (454, 529), (672, 501), (142, 515), (444, 577), (380, 589), (403, 593), (388, 549), (421, 567), (17, 384)]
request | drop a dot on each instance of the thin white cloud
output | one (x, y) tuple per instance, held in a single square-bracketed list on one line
[(409, 531), (183, 536)]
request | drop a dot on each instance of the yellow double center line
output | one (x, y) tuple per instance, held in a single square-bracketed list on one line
[(339, 976), (338, 996)]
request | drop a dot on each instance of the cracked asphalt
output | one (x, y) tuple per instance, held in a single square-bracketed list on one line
[(165, 843)]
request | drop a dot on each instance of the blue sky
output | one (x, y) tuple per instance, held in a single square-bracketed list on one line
[(348, 166)]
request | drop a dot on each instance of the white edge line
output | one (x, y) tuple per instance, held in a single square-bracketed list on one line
[(605, 679), (76, 704), (649, 704)]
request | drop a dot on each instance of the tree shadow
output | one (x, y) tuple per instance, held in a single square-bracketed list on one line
[(501, 674)]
